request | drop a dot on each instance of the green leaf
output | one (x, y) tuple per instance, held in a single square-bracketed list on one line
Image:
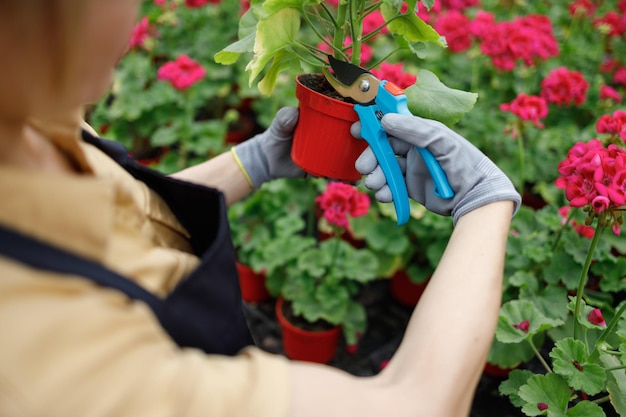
[(282, 62), (585, 409), (432, 99), (273, 6), (332, 301), (166, 135), (570, 359), (616, 383), (274, 34), (360, 265), (232, 52), (354, 322), (315, 261), (511, 386), (409, 26), (550, 389), (513, 313)]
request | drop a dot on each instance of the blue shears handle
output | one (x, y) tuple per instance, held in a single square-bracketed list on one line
[(391, 99)]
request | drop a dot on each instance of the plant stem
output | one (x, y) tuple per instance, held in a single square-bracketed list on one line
[(340, 34), (538, 355), (570, 215), (583, 277), (602, 400), (356, 28)]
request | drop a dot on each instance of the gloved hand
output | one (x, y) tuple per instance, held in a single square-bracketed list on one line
[(475, 179), (267, 156)]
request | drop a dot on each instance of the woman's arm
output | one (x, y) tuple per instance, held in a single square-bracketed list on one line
[(221, 172), (437, 366)]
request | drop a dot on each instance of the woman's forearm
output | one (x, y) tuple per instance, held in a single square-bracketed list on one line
[(452, 327), (221, 172)]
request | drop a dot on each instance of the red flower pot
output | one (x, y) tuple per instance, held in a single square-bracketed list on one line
[(307, 345), (404, 290), (322, 143), (253, 289)]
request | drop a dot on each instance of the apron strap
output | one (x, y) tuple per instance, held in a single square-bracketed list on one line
[(40, 255)]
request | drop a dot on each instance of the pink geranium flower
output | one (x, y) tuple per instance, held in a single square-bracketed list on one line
[(594, 176), (456, 28), (529, 108), (192, 4), (614, 124), (181, 73), (620, 76), (141, 32), (609, 93), (582, 8), (394, 73), (563, 87), (341, 200)]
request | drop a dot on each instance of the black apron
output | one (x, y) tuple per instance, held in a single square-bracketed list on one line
[(205, 310)]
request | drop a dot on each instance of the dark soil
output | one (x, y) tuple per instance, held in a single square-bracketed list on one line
[(387, 320), (318, 82)]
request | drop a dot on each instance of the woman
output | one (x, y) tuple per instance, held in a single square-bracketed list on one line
[(128, 303)]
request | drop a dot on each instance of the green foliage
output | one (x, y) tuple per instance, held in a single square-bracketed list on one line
[(279, 36)]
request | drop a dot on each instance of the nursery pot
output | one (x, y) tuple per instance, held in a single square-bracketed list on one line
[(322, 143), (404, 290), (253, 289), (307, 345)]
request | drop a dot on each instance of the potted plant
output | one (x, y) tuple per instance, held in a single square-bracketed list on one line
[(280, 36), (277, 210), (317, 281), (407, 255)]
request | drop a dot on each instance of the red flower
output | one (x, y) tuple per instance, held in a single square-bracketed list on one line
[(595, 176), (141, 32), (373, 21), (340, 200), (394, 74), (563, 87), (620, 76), (595, 317), (524, 325), (455, 26), (192, 4), (181, 73), (459, 5), (582, 8), (528, 38), (614, 124), (529, 108), (609, 93), (610, 24)]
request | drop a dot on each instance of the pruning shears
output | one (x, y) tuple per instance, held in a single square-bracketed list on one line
[(374, 99)]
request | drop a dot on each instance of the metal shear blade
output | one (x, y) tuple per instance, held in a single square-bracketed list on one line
[(352, 81)]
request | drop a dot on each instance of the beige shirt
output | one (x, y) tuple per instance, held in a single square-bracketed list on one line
[(70, 348)]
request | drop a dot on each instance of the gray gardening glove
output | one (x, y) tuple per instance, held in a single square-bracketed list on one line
[(267, 156), (475, 179)]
